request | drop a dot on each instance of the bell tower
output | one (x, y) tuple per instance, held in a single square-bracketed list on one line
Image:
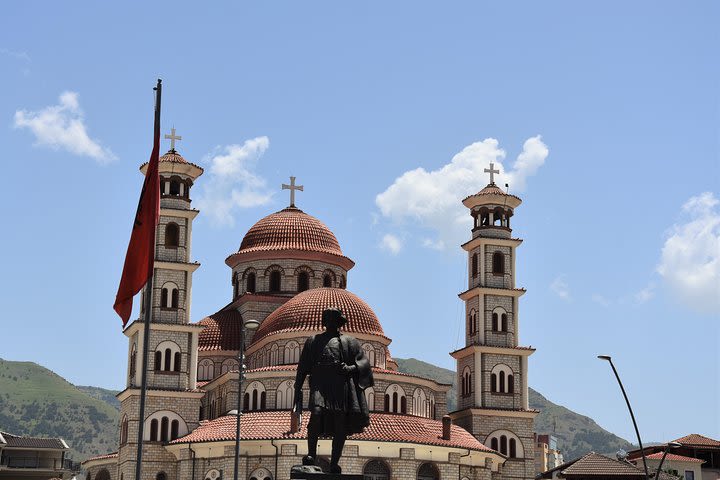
[(172, 402), (492, 368)]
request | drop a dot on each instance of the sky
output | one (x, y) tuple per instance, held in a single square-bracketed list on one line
[(602, 116)]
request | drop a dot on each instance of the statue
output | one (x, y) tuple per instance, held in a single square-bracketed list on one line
[(339, 373)]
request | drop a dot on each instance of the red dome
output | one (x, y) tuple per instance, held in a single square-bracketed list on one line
[(290, 229), (221, 332), (303, 313)]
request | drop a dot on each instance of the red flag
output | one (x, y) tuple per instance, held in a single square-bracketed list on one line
[(140, 257)]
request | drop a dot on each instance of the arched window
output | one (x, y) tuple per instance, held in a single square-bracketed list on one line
[(499, 320), (133, 362), (386, 405), (161, 476), (261, 474), (274, 354), (168, 360), (228, 365), (493, 382), (246, 402), (165, 353), (510, 384), (495, 322), (169, 296), (250, 283), (206, 369), (513, 448), (154, 430), (342, 281), (498, 263), (420, 401), (275, 281), (172, 235), (370, 398), (176, 366), (428, 471), (174, 187), (472, 324), (123, 430), (376, 470), (292, 352), (164, 424), (503, 444), (327, 280), (475, 265), (284, 395), (256, 397), (503, 322), (174, 428), (103, 474), (369, 352), (395, 398), (504, 379), (494, 443), (303, 281), (466, 382)]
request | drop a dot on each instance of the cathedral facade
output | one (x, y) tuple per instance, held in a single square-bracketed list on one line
[(288, 269)]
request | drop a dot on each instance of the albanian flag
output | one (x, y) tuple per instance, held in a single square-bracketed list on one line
[(140, 257)]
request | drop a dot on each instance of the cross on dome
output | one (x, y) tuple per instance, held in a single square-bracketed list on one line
[(172, 137), (292, 187), (492, 172)]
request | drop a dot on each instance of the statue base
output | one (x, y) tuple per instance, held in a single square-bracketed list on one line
[(312, 472)]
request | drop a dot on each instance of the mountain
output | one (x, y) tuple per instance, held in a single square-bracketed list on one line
[(577, 434), (35, 401)]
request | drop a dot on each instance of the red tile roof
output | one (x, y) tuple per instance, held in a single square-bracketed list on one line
[(102, 457), (491, 189), (593, 464), (383, 427), (303, 313), (698, 440), (172, 156), (673, 457), (221, 332), (290, 229)]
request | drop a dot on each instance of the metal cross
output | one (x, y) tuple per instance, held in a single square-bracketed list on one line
[(492, 171), (292, 187), (172, 137)]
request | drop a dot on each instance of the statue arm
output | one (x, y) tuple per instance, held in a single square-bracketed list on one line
[(303, 370)]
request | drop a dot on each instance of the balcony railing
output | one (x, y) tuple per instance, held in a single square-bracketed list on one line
[(39, 463)]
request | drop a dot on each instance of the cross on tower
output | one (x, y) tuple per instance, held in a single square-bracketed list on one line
[(172, 137), (492, 172), (292, 187)]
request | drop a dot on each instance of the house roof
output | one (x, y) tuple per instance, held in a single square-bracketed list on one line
[(384, 427), (594, 464), (671, 457), (696, 440), (32, 442)]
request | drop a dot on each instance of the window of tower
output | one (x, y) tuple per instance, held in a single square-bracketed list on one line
[(174, 187), (466, 382), (503, 322), (498, 217), (327, 281), (303, 281), (501, 379), (475, 265), (275, 281), (342, 281), (495, 322), (169, 296), (505, 442), (484, 218), (498, 263), (250, 283), (172, 235)]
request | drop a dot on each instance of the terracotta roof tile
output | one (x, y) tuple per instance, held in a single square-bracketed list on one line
[(673, 457), (303, 313), (102, 457), (290, 229), (698, 440), (595, 464), (221, 332), (172, 156), (491, 189), (383, 427), (32, 442)]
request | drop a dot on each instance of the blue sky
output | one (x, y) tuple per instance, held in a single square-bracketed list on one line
[(611, 106)]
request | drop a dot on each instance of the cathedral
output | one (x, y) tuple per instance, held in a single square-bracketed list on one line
[(288, 269)]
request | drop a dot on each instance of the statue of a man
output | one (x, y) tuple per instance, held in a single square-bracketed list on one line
[(339, 372)]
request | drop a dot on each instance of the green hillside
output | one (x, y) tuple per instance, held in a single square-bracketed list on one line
[(577, 434), (35, 401)]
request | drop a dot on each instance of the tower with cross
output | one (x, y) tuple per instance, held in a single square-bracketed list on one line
[(492, 367), (172, 137), (292, 187)]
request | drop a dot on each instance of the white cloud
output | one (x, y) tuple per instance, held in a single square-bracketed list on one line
[(645, 294), (233, 182), (600, 299), (433, 244), (432, 199), (63, 127), (391, 243), (560, 287), (690, 258), (14, 54)]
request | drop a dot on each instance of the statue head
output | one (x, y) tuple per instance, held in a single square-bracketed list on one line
[(333, 317)]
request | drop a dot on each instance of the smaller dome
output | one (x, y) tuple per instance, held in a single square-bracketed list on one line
[(172, 161), (221, 332), (172, 156), (303, 313), (492, 194), (290, 229)]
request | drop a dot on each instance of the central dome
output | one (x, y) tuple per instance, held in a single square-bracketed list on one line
[(303, 313), (290, 229)]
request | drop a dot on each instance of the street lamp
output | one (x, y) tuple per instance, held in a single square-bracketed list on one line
[(670, 445), (247, 325), (632, 415)]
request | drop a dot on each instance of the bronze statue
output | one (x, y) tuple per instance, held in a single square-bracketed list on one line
[(339, 373)]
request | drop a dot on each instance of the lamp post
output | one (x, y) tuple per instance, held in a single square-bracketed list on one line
[(632, 415), (247, 325), (669, 446)]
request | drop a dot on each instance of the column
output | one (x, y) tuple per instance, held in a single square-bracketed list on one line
[(523, 376)]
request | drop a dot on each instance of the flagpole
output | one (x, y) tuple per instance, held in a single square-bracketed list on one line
[(147, 307)]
